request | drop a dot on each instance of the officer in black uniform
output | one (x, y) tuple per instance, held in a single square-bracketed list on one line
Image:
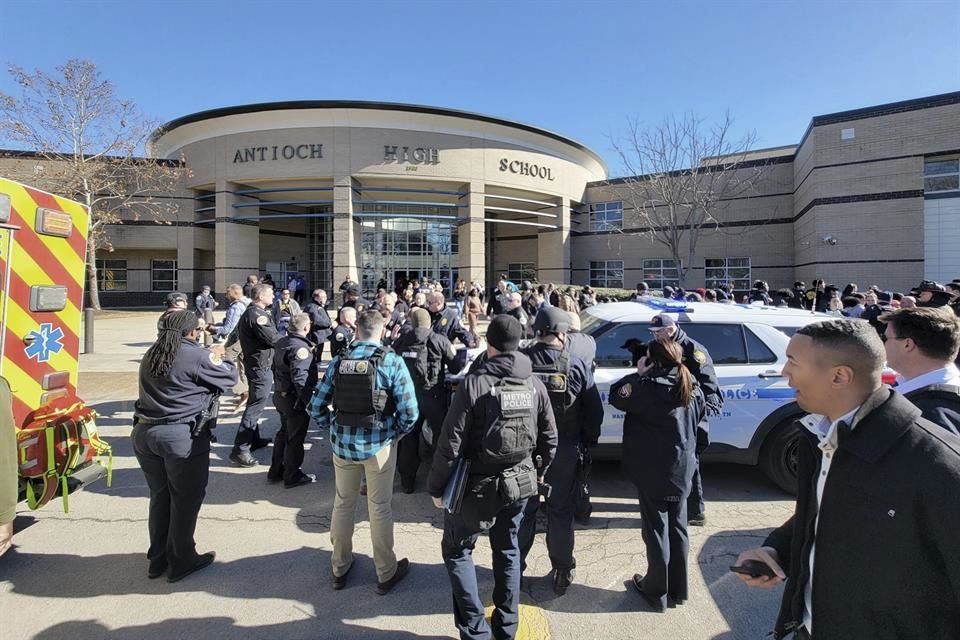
[(258, 335), (427, 355), (446, 321), (697, 359), (578, 412), (799, 299), (353, 297), (342, 336), (179, 384), (513, 306), (294, 379), (320, 322), (500, 419), (175, 302)]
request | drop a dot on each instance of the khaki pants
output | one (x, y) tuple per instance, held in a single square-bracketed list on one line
[(234, 355), (379, 470)]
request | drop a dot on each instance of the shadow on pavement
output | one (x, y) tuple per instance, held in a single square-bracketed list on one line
[(749, 612)]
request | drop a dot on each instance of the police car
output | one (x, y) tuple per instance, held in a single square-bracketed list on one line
[(747, 343)]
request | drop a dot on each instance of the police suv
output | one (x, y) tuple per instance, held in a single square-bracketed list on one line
[(747, 343)]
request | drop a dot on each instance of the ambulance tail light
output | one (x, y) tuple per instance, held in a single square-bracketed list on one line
[(48, 297), (54, 223), (4, 207), (55, 380)]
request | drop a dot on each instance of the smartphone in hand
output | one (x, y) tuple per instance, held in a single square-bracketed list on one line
[(754, 569)]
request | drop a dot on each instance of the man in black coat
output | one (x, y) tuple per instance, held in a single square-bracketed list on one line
[(446, 321), (921, 345), (320, 323), (871, 551)]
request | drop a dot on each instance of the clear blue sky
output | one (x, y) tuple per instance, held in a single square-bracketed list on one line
[(579, 68)]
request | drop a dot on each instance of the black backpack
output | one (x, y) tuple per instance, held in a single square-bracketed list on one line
[(506, 424), (423, 373)]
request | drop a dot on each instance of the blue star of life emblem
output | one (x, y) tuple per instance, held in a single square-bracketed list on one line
[(45, 343)]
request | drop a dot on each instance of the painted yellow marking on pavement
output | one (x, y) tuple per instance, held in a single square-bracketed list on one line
[(533, 624)]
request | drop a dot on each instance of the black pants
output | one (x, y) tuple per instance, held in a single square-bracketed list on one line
[(408, 454), (288, 443), (695, 504), (664, 529), (412, 449), (176, 467), (561, 506), (259, 380), (460, 534)]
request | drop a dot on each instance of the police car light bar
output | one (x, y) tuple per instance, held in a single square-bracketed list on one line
[(670, 306)]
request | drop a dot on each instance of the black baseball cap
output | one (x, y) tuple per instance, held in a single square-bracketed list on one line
[(175, 297), (504, 333), (662, 321)]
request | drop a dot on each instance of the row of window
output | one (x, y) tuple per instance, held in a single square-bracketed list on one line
[(112, 275), (662, 272)]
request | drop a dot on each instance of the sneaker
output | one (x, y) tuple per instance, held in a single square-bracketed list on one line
[(305, 478), (403, 568), (243, 459), (202, 561), (562, 579), (698, 521)]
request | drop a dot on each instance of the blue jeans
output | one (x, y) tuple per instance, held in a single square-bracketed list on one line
[(460, 533)]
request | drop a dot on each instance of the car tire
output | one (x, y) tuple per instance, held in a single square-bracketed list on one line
[(778, 456)]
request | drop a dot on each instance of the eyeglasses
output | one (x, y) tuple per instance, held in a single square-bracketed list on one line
[(884, 338)]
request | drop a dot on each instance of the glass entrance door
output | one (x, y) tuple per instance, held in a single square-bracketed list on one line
[(406, 248)]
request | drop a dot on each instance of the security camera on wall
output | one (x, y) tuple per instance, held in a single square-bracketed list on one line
[(829, 240)]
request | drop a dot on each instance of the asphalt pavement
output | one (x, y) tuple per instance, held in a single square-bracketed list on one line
[(82, 575)]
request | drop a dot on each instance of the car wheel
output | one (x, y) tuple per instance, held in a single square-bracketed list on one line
[(778, 457)]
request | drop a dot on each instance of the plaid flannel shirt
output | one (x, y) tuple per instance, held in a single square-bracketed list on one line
[(351, 443)]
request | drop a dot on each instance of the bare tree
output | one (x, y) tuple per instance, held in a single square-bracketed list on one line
[(89, 138), (682, 176)]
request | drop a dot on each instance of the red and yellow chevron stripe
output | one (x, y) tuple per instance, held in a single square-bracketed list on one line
[(35, 343)]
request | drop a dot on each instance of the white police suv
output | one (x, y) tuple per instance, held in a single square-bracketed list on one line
[(747, 344)]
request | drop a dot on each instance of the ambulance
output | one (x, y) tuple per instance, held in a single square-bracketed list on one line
[(43, 241)]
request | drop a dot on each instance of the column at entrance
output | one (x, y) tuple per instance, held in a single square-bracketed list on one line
[(237, 242), (345, 236), (553, 248), (471, 237)]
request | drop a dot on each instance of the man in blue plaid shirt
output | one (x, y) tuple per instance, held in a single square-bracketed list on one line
[(376, 405)]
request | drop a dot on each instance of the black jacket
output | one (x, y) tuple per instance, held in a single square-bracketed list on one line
[(524, 320), (698, 360), (447, 323), (293, 370), (582, 420), (457, 427), (340, 339), (440, 353), (887, 558), (320, 323), (257, 336), (659, 433), (940, 404), (186, 390)]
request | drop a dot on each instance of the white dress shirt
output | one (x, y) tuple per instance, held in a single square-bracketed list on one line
[(947, 375), (826, 433)]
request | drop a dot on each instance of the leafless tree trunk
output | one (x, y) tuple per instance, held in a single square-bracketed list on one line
[(681, 176), (85, 140)]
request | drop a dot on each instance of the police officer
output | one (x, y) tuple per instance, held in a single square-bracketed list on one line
[(427, 355), (500, 419), (179, 383), (294, 379), (446, 321), (513, 306), (343, 335), (320, 322), (258, 335), (697, 359), (931, 294), (578, 412), (352, 297)]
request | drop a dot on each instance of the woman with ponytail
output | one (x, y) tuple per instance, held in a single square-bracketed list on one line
[(663, 405), (179, 379)]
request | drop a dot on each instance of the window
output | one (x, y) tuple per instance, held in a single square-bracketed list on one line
[(520, 271), (606, 273), (610, 351), (724, 342), (735, 271), (606, 216), (112, 275), (163, 275), (757, 350), (941, 175), (658, 273)]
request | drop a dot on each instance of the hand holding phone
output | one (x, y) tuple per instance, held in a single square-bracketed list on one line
[(754, 569), (759, 567)]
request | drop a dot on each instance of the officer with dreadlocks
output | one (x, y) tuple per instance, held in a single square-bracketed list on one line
[(499, 420), (578, 412), (180, 382), (294, 379)]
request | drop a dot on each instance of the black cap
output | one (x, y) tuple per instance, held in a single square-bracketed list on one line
[(353, 290), (551, 320), (662, 320), (504, 333), (929, 285), (175, 297)]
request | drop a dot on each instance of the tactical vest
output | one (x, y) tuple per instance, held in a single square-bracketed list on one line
[(555, 376), (504, 425), (424, 373), (356, 399)]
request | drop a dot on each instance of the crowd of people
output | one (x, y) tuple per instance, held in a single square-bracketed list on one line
[(516, 437)]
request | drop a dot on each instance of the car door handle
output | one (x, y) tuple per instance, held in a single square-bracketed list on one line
[(769, 374)]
